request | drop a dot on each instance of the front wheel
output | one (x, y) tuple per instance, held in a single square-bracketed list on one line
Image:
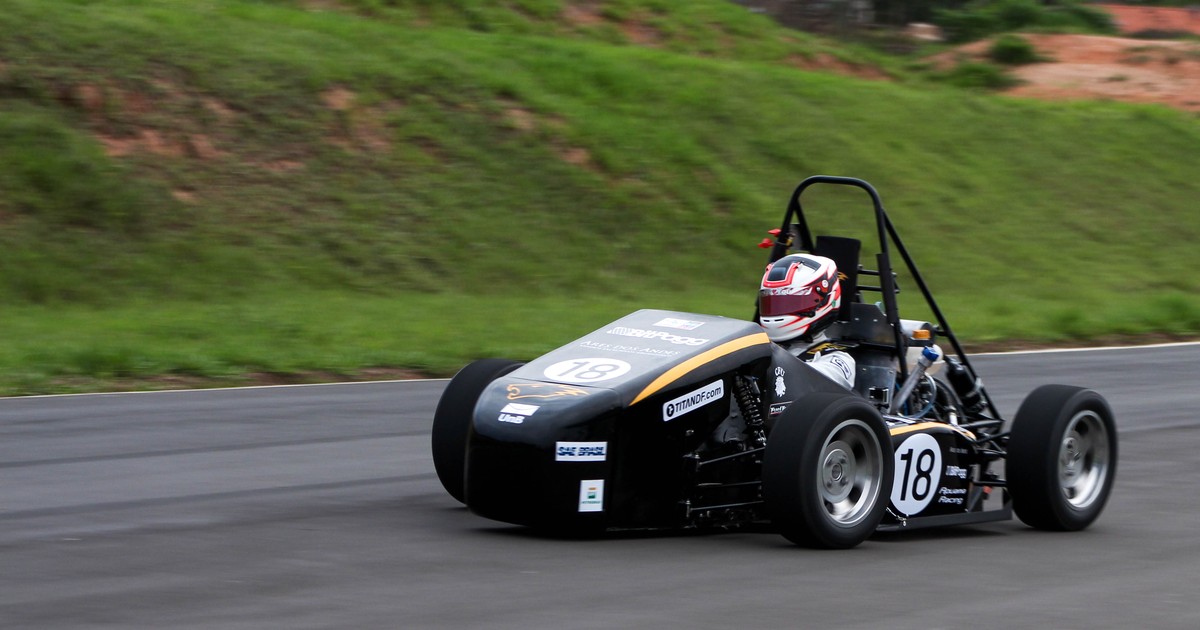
[(1062, 457), (827, 466), (452, 420)]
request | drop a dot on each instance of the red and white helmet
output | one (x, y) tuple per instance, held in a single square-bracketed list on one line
[(800, 295)]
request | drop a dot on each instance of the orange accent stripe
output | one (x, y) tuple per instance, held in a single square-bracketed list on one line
[(682, 369), (924, 425), (915, 427)]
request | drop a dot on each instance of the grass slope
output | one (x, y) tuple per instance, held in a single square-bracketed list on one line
[(226, 187)]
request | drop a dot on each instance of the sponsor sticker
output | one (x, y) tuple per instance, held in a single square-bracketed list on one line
[(520, 409), (679, 324), (779, 407), (693, 400), (789, 291), (542, 391), (840, 363), (615, 347), (580, 451), (780, 386), (515, 413), (625, 331), (956, 471), (952, 496), (591, 495)]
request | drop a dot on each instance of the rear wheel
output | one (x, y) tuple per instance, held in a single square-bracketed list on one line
[(452, 420), (827, 466), (1062, 457)]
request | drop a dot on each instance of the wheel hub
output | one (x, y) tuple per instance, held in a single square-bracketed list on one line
[(847, 478), (1083, 460), (1071, 457), (837, 473)]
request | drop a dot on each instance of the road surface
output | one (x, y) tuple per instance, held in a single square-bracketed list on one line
[(317, 507)]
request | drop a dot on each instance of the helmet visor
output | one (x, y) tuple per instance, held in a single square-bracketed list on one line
[(775, 305)]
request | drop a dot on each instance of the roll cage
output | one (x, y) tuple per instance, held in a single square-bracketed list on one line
[(794, 234)]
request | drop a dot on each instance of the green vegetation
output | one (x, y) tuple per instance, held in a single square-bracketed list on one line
[(976, 75), (977, 19), (206, 190), (1013, 50)]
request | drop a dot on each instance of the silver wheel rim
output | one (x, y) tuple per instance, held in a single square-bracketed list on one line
[(851, 465), (1083, 460)]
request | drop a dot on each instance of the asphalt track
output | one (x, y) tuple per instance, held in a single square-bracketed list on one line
[(317, 507)]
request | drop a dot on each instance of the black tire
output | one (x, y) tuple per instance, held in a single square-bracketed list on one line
[(1062, 457), (827, 471), (452, 420)]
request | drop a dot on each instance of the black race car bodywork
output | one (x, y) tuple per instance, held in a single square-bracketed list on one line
[(666, 419)]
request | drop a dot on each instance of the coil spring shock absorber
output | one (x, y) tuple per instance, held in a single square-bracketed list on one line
[(749, 401)]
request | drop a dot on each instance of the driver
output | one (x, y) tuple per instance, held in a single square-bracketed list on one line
[(798, 299)]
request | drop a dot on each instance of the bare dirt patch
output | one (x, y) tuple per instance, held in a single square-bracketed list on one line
[(582, 14), (590, 14), (520, 118), (577, 156), (283, 166), (338, 99), (1139, 19), (90, 97), (201, 146), (149, 141), (1107, 68), (359, 127), (223, 112), (828, 63), (641, 34)]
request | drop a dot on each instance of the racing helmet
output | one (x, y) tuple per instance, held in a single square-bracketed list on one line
[(799, 295)]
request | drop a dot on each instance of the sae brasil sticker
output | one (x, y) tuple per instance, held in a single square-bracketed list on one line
[(580, 451), (693, 400), (591, 495)]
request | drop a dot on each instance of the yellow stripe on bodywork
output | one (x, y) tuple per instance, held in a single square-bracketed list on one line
[(925, 425), (678, 372)]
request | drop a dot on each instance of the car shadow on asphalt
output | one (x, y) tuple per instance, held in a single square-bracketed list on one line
[(959, 532), (768, 533)]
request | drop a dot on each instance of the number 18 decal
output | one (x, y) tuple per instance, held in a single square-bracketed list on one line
[(586, 370), (918, 472)]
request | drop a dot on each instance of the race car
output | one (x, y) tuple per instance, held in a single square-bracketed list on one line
[(666, 419)]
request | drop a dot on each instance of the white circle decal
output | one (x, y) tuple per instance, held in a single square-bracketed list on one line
[(918, 472), (586, 371)]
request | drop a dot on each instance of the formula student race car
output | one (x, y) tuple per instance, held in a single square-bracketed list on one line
[(666, 419)]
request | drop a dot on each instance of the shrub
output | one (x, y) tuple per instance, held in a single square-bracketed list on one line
[(1159, 34), (1095, 20), (1013, 50), (975, 75), (982, 18), (965, 25), (1016, 14)]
